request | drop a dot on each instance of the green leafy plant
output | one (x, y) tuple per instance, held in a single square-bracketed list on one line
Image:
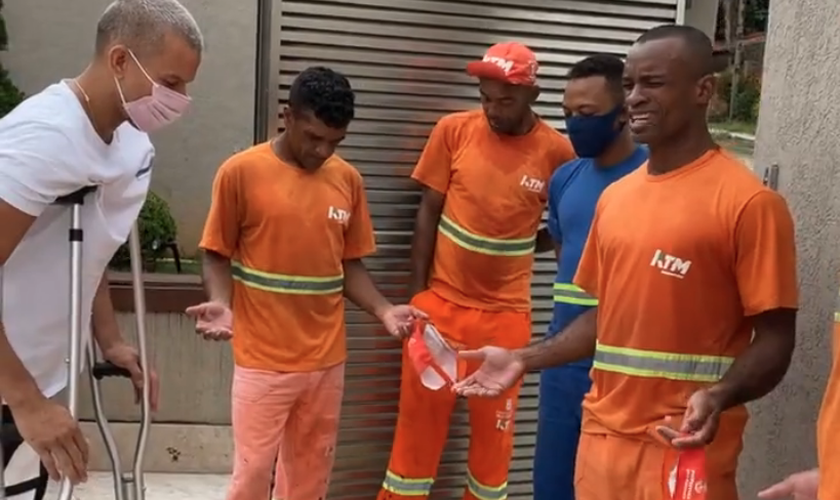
[(10, 96), (747, 97), (157, 235)]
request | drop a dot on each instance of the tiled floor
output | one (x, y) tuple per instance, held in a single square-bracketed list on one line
[(100, 486)]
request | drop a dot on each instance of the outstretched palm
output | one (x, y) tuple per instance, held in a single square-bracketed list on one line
[(799, 486), (499, 370), (213, 320)]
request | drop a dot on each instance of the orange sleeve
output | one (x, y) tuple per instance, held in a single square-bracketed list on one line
[(765, 250), (359, 240), (221, 229), (435, 165), (589, 266)]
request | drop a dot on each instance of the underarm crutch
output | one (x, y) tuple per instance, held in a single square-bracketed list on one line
[(128, 485)]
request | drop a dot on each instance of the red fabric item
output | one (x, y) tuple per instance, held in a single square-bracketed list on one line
[(691, 475), (420, 355)]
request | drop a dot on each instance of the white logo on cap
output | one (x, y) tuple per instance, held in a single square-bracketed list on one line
[(505, 64), (532, 69)]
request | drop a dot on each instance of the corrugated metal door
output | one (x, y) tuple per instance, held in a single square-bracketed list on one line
[(405, 59)]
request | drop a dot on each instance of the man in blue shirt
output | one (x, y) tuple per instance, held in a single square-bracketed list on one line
[(596, 122)]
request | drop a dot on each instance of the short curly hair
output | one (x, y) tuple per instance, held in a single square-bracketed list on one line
[(326, 93), (608, 66)]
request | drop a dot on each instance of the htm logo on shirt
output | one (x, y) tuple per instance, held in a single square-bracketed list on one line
[(670, 265), (532, 184), (338, 214)]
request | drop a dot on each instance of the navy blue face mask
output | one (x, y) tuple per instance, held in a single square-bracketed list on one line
[(592, 135)]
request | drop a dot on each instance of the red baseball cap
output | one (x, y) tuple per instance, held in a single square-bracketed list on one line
[(510, 62)]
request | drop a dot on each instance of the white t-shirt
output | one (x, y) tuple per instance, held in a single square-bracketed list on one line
[(48, 149)]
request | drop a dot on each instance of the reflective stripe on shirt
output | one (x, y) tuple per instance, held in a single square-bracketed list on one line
[(284, 283), (569, 293), (658, 364), (482, 244)]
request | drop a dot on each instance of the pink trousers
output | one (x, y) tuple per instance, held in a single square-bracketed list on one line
[(292, 417)]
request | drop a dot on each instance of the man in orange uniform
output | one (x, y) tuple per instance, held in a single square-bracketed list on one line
[(822, 483), (484, 176), (283, 243), (688, 255)]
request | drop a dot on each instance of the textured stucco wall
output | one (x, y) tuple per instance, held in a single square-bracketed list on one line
[(702, 14), (799, 119), (51, 39)]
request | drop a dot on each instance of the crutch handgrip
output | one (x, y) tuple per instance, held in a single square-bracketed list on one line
[(9, 433), (75, 198), (107, 369)]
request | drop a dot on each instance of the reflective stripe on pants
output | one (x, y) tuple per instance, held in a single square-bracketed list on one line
[(407, 487)]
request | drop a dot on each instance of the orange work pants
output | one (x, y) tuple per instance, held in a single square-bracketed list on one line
[(294, 413), (618, 468), (424, 414)]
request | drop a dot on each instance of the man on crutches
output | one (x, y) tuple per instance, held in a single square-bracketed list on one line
[(83, 132)]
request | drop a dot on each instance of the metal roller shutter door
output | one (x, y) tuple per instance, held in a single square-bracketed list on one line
[(405, 60)]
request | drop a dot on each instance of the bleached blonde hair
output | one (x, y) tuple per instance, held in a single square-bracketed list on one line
[(144, 24)]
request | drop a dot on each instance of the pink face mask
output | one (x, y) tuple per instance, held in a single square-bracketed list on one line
[(152, 112)]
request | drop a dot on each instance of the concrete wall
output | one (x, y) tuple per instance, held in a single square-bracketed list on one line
[(191, 432), (50, 40), (702, 14), (800, 114)]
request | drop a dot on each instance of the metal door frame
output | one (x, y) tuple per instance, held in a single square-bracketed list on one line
[(267, 69), (681, 6)]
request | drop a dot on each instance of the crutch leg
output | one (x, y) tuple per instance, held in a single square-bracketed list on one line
[(95, 372), (128, 485), (76, 237)]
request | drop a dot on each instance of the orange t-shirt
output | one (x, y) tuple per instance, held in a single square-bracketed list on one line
[(828, 426), (287, 232), (679, 263), (496, 190)]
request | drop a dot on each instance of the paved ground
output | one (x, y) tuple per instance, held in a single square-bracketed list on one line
[(158, 487)]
